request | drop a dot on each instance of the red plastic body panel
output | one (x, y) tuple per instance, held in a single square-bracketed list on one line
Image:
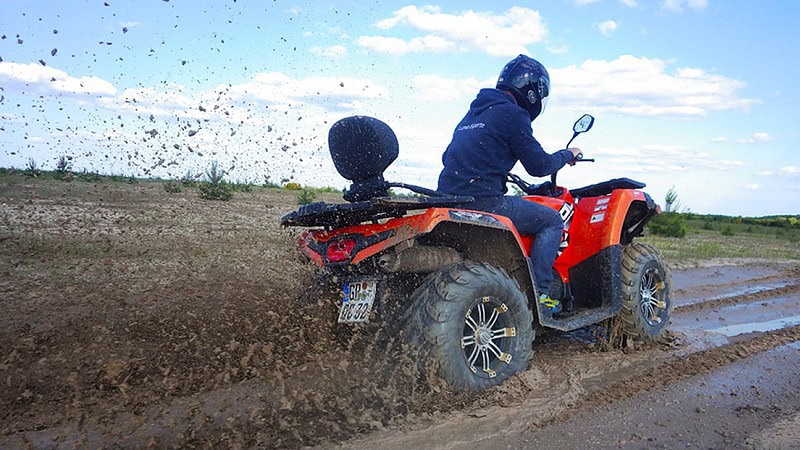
[(405, 228), (596, 224)]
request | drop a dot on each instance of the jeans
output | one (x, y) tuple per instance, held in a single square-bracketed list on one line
[(530, 219)]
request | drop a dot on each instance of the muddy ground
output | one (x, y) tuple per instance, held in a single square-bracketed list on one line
[(135, 317)]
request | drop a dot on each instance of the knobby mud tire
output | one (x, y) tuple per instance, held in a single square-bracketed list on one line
[(636, 260), (435, 323)]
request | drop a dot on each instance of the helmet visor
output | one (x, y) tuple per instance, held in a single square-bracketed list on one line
[(543, 86)]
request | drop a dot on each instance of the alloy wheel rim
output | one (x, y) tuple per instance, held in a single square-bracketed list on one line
[(651, 301), (487, 336)]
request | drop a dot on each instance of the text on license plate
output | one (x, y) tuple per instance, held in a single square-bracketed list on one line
[(357, 301)]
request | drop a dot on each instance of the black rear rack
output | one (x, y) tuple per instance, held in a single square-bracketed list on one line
[(331, 215)]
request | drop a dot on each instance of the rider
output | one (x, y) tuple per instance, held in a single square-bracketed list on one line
[(488, 142)]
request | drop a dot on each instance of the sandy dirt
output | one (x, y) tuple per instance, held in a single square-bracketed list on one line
[(139, 318)]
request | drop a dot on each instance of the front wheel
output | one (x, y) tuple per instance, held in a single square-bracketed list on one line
[(646, 288), (470, 324)]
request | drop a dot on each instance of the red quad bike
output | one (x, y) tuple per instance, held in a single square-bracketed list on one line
[(470, 316)]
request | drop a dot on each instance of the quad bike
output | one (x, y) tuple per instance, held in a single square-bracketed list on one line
[(471, 317)]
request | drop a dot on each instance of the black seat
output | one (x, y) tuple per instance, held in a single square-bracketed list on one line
[(606, 187)]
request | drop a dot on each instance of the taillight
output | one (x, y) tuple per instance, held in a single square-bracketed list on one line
[(340, 251)]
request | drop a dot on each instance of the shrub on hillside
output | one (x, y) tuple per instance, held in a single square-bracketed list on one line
[(89, 177), (32, 170), (305, 197), (668, 224), (268, 183), (63, 165), (215, 188), (293, 186), (707, 226), (727, 231), (173, 187), (188, 178)]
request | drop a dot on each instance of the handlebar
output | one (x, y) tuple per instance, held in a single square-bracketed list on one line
[(580, 158), (546, 188)]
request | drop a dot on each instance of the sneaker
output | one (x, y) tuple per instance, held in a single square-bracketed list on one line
[(553, 305)]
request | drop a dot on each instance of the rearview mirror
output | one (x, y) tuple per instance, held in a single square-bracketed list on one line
[(583, 124)]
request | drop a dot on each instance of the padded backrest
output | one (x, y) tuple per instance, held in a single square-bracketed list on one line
[(362, 147)]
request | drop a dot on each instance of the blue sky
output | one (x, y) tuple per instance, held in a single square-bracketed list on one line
[(692, 93)]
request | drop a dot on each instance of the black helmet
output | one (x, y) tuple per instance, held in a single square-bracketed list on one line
[(528, 82)]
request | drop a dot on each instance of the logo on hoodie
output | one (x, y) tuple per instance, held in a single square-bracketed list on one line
[(471, 126)]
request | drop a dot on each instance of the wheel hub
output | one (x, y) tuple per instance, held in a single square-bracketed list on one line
[(485, 338)]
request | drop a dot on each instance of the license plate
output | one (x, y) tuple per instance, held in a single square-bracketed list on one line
[(357, 301)]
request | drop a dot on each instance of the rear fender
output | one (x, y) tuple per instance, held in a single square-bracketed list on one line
[(498, 246), (375, 238)]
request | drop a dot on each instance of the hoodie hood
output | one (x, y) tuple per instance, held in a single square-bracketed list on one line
[(488, 98)]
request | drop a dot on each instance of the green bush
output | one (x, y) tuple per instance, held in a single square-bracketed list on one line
[(219, 191), (89, 177), (242, 186), (668, 224), (727, 231), (305, 197), (749, 229), (268, 183), (215, 188), (63, 165), (707, 226), (173, 187), (32, 170), (188, 178)]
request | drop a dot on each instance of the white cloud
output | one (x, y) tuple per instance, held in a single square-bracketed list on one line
[(752, 186), (506, 34), (438, 88), (757, 138), (790, 170), (766, 173), (608, 27), (662, 158), (678, 5), (276, 87), (332, 52), (560, 49), (719, 139), (131, 24), (630, 3), (49, 81), (396, 46), (644, 87), (585, 2)]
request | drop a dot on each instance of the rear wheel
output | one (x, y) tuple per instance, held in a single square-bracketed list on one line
[(646, 288), (470, 324)]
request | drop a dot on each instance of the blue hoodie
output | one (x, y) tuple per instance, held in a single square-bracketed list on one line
[(488, 142)]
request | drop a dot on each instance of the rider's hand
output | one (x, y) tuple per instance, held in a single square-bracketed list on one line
[(575, 153)]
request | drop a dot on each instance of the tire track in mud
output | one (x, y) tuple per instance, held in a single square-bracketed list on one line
[(734, 299), (681, 368), (524, 416)]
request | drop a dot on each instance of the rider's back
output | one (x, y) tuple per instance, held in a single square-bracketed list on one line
[(488, 142)]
